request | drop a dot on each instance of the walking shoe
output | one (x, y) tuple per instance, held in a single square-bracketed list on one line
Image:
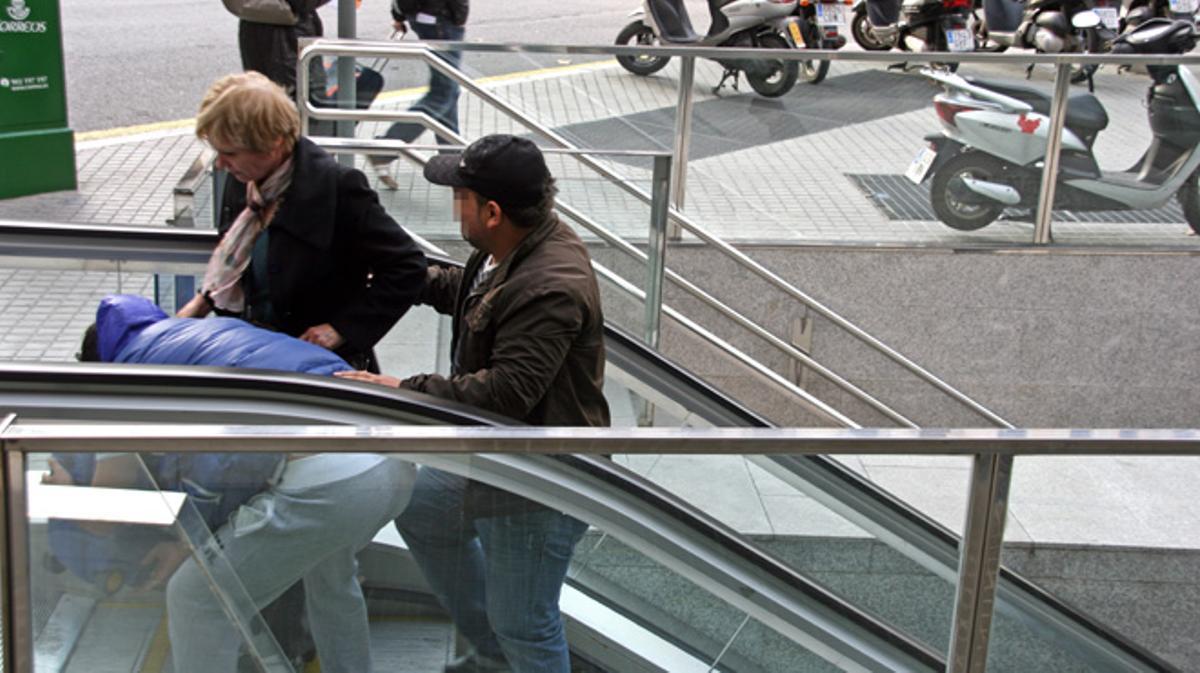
[(477, 663), (382, 166)]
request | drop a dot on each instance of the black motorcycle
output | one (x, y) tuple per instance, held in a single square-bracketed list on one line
[(822, 24), (1055, 27), (860, 28), (916, 25), (1142, 10)]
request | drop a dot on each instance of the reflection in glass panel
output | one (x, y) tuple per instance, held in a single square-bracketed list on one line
[(105, 542), (246, 528)]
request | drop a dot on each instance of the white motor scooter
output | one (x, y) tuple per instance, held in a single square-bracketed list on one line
[(735, 23), (990, 152)]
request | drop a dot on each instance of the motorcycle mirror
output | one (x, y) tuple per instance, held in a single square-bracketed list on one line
[(1086, 19)]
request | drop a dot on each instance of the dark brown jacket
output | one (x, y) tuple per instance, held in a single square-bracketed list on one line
[(528, 343)]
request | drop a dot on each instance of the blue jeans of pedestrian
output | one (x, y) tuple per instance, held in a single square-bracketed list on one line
[(499, 577), (441, 100)]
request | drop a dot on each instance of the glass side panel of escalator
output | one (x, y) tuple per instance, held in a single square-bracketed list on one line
[(103, 541), (102, 602)]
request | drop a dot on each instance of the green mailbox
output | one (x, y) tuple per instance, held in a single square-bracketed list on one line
[(37, 150)]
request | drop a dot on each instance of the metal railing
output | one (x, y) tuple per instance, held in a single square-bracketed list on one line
[(424, 53), (975, 595)]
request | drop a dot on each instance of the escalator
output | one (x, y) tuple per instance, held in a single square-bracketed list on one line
[(769, 604)]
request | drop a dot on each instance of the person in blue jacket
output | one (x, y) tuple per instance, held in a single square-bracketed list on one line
[(304, 520)]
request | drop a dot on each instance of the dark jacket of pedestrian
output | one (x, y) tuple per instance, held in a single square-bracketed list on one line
[(529, 341), (334, 255), (273, 49), (454, 10)]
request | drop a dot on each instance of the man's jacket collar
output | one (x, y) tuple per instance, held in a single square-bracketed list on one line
[(531, 241)]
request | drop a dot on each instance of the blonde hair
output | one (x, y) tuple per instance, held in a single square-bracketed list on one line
[(248, 111)]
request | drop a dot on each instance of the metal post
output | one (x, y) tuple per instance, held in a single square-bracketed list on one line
[(979, 563), (18, 607), (347, 83), (656, 262), (683, 137), (1058, 117), (7, 651)]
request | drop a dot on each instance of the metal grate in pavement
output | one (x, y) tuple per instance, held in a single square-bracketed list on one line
[(900, 199)]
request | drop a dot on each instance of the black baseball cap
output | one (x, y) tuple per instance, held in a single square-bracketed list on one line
[(502, 168)]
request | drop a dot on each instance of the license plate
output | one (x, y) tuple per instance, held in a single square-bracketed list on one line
[(920, 165), (1183, 6), (959, 39), (794, 29), (1109, 16), (829, 14)]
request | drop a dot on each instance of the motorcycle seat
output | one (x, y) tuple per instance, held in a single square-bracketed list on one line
[(1085, 115), (672, 17)]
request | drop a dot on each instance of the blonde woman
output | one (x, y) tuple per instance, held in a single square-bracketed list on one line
[(306, 248)]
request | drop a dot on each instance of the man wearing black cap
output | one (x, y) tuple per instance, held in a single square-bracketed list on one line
[(528, 343)]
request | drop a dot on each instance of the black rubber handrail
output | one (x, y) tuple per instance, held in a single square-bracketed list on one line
[(217, 382)]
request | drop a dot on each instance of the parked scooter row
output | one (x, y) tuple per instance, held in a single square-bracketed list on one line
[(1044, 26), (771, 24), (990, 151)]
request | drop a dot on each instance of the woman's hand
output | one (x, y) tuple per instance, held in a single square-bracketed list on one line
[(379, 379), (323, 335), (198, 307)]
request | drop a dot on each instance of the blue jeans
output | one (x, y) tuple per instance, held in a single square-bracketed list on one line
[(499, 577), (441, 101)]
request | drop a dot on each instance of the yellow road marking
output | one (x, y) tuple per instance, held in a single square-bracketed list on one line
[(156, 654), (140, 129)]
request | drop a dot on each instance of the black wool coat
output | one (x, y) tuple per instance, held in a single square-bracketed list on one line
[(334, 255)]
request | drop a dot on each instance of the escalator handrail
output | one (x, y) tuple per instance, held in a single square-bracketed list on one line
[(184, 382)]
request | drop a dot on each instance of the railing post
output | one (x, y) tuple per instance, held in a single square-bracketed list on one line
[(347, 82), (18, 607), (656, 262), (683, 137), (979, 563), (1058, 116)]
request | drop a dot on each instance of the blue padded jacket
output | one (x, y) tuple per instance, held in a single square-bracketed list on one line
[(131, 329)]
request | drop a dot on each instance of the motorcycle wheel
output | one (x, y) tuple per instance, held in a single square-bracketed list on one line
[(814, 71), (783, 74), (860, 28), (639, 33), (1189, 199), (954, 204)]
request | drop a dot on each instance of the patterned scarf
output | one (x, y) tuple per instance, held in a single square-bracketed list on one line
[(222, 279)]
